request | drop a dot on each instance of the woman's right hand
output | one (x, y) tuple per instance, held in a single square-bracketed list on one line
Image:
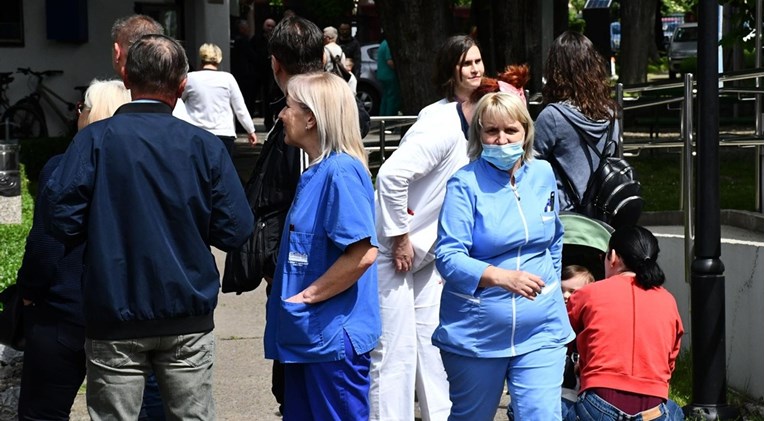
[(519, 282)]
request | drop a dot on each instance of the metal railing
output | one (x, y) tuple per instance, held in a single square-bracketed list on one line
[(687, 143)]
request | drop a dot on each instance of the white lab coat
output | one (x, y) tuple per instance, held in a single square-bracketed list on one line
[(411, 186)]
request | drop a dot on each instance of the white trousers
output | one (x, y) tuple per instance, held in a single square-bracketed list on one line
[(405, 359)]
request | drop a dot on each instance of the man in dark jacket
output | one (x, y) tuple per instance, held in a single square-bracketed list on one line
[(351, 47), (150, 194), (296, 46)]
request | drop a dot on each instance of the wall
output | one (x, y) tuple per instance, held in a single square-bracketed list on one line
[(743, 303), (205, 22)]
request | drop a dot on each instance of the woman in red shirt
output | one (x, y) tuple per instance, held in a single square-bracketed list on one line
[(628, 334)]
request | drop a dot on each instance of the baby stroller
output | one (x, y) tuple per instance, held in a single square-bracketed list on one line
[(585, 242)]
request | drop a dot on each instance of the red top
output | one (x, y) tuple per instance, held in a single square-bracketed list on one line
[(628, 338)]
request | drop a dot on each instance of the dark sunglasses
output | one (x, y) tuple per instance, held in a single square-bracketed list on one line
[(81, 107)]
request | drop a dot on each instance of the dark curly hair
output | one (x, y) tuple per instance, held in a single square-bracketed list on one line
[(576, 72)]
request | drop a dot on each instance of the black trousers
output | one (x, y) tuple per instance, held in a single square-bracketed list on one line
[(54, 366), (277, 376)]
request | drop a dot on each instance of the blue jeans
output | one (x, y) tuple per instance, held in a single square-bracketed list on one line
[(591, 407), (117, 370)]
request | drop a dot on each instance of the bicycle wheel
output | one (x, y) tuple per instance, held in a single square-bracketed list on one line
[(25, 122)]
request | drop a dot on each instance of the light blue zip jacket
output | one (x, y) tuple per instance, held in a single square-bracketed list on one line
[(486, 221)]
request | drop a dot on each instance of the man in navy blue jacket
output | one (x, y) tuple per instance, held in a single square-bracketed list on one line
[(150, 194)]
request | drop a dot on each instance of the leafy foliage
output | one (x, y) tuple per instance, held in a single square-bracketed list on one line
[(13, 237)]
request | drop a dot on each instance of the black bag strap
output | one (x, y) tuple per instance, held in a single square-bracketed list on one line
[(587, 140), (567, 184)]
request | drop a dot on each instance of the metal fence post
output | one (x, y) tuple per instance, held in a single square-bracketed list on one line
[(620, 117), (382, 141), (686, 173)]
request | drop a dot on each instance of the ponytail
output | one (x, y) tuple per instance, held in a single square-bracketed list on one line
[(639, 249)]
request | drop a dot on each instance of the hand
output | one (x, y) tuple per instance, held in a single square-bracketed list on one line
[(27, 302), (403, 253), (253, 138), (519, 282), (297, 298)]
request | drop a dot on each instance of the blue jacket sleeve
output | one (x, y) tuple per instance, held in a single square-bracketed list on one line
[(68, 192), (38, 265), (455, 239), (231, 221)]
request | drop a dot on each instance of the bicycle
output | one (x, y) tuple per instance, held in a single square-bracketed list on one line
[(27, 118), (5, 80)]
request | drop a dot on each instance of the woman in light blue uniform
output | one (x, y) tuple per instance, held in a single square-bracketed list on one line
[(322, 316), (499, 251)]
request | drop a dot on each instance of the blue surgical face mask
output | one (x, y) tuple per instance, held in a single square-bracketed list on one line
[(503, 156)]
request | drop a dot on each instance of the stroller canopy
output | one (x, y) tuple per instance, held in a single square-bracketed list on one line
[(585, 241)]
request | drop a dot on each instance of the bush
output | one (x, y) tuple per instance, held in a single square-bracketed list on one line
[(13, 237)]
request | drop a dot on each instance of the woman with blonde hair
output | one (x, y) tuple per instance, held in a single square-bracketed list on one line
[(110, 94), (499, 249), (212, 97), (322, 317)]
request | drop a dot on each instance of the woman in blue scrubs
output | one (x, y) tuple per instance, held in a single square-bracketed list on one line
[(322, 317), (499, 250)]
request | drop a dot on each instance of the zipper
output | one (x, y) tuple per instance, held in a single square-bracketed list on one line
[(518, 261)]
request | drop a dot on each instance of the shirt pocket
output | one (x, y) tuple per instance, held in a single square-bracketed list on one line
[(306, 254), (298, 325), (548, 224)]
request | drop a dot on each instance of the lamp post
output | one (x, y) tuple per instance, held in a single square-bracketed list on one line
[(707, 279)]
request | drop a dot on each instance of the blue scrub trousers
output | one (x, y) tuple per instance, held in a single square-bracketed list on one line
[(535, 379), (336, 390)]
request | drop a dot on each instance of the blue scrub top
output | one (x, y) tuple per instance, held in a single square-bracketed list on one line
[(485, 221), (333, 208)]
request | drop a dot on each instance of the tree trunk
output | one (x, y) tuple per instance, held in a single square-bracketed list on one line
[(637, 37), (507, 33), (413, 45)]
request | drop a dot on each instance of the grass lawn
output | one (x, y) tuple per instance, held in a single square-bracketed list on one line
[(659, 173)]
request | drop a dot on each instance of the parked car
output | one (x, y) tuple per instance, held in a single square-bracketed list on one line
[(368, 89), (616, 36), (682, 47)]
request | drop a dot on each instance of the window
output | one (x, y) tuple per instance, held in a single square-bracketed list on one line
[(12, 24), (169, 15)]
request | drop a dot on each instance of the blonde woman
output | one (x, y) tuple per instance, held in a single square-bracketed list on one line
[(212, 97), (499, 249), (102, 98), (322, 316)]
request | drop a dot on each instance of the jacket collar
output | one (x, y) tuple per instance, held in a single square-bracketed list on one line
[(145, 107)]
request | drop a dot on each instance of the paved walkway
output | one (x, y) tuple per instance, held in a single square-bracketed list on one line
[(242, 378)]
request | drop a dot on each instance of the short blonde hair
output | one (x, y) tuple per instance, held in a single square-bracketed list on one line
[(210, 54), (333, 105), (502, 106), (103, 97), (331, 33)]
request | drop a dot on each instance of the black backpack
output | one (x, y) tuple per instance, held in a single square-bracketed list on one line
[(613, 191)]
